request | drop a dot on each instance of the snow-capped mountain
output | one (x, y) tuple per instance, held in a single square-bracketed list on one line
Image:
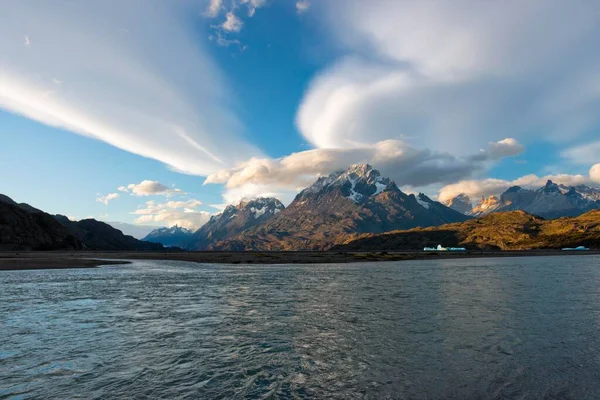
[(549, 201), (232, 221), (174, 236), (337, 208)]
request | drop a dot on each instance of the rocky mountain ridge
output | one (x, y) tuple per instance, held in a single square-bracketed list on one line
[(232, 221)]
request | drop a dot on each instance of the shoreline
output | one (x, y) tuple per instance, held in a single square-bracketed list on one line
[(24, 260)]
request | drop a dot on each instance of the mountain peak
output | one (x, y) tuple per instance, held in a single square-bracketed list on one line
[(357, 183), (461, 203), (551, 187)]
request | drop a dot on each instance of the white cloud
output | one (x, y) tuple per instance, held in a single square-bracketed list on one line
[(487, 187), (214, 8), (508, 147), (394, 158), (451, 75), (595, 173), (105, 199), (253, 5), (154, 91), (302, 6), (182, 213), (27, 42), (149, 188), (232, 23)]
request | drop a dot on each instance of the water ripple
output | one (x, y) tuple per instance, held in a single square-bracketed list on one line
[(495, 328)]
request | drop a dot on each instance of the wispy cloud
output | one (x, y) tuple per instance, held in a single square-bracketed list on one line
[(451, 74), (106, 198), (149, 188), (121, 89), (182, 213), (27, 42), (232, 23), (302, 6), (214, 8)]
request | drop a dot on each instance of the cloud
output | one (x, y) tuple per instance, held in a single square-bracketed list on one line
[(508, 147), (595, 173), (490, 186), (253, 5), (224, 42), (302, 6), (27, 43), (214, 8), (182, 213), (394, 158), (232, 23), (149, 188), (138, 91), (105, 199), (584, 154), (451, 76)]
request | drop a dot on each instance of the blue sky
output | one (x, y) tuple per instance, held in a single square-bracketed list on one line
[(163, 112)]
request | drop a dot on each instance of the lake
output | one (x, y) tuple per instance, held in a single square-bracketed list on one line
[(472, 328)]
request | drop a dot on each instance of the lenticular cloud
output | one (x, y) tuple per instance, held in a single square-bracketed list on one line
[(126, 73)]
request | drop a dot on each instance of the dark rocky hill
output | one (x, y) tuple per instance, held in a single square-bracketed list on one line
[(97, 235), (23, 227)]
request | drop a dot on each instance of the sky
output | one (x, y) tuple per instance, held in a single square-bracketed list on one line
[(158, 113)]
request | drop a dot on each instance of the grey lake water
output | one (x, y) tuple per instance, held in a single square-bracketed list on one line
[(463, 329)]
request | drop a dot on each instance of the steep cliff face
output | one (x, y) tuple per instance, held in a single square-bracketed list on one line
[(461, 203), (485, 206)]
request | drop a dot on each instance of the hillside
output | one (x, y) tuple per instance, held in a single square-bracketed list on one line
[(97, 235), (513, 230), (23, 227)]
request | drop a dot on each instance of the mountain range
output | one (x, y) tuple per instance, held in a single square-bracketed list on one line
[(337, 208), (549, 201)]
